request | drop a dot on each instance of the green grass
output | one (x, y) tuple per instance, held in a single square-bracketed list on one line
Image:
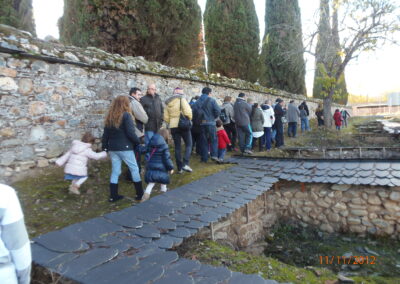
[(48, 206)]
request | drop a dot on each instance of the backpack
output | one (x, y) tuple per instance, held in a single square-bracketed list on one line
[(223, 116), (199, 113)]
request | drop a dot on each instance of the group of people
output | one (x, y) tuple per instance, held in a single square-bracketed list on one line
[(340, 117), (134, 130)]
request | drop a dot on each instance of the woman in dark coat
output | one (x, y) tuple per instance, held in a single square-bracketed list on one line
[(119, 140), (159, 163)]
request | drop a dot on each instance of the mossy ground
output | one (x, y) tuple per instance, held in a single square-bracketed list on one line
[(48, 206)]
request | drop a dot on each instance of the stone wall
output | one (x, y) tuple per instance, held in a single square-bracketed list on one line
[(372, 210), (51, 94)]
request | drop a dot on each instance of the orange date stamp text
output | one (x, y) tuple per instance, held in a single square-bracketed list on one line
[(353, 259)]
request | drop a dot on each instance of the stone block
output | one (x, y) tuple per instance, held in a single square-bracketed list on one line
[(7, 158), (374, 200), (383, 194), (322, 203), (341, 187), (42, 163), (27, 165), (8, 84), (357, 229), (25, 86), (7, 132), (54, 150), (40, 66), (327, 228), (22, 122), (333, 217), (380, 223), (11, 142), (359, 212), (353, 221), (395, 196), (391, 206), (36, 108), (38, 133), (8, 72)]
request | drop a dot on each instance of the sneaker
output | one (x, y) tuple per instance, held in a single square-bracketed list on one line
[(215, 159), (180, 172), (145, 197), (74, 189), (186, 168), (248, 152)]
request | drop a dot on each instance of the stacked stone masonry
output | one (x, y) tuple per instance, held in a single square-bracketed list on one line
[(51, 94)]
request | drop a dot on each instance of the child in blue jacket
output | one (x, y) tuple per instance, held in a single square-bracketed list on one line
[(159, 164)]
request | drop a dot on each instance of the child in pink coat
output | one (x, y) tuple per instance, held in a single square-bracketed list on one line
[(76, 160)]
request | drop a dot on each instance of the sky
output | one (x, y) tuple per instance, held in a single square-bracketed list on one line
[(371, 75)]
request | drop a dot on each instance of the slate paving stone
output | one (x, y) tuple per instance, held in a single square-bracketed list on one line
[(193, 210), (395, 166), (175, 278), (365, 173), (135, 243), (169, 201), (165, 224), (60, 241), (210, 217), (42, 255), (222, 210), (195, 224), (180, 233), (124, 218), (89, 260), (184, 266), (352, 165), (141, 274), (332, 179), (179, 217), (110, 241), (211, 274), (238, 200), (382, 165), (395, 173), (367, 166), (382, 181), (231, 205), (239, 278), (218, 198), (161, 258), (395, 181), (208, 203), (167, 242), (58, 264), (367, 180), (148, 231), (156, 208), (229, 194), (349, 180), (106, 273), (248, 196), (382, 173)]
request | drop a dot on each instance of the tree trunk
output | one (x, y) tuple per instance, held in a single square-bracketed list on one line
[(328, 118)]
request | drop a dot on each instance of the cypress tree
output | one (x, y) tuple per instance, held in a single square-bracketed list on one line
[(328, 54), (160, 30), (282, 61), (232, 38), (18, 13)]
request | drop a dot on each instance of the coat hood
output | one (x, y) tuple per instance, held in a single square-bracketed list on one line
[(79, 146), (157, 141), (170, 99)]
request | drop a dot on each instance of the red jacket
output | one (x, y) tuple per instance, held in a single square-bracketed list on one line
[(338, 118), (223, 139)]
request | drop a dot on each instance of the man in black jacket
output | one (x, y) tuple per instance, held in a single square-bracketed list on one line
[(278, 125), (242, 112), (154, 109)]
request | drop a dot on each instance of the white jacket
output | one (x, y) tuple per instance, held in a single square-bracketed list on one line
[(269, 117), (76, 159), (15, 248)]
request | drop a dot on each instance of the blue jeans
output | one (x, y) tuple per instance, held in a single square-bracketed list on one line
[(292, 129), (129, 159), (244, 136), (221, 154), (305, 124), (250, 145), (267, 137), (208, 133), (337, 127)]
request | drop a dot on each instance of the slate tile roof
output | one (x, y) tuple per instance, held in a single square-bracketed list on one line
[(357, 172), (131, 245)]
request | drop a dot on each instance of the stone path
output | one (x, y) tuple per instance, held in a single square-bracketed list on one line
[(131, 245)]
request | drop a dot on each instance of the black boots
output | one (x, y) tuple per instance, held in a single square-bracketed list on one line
[(139, 190), (114, 196)]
